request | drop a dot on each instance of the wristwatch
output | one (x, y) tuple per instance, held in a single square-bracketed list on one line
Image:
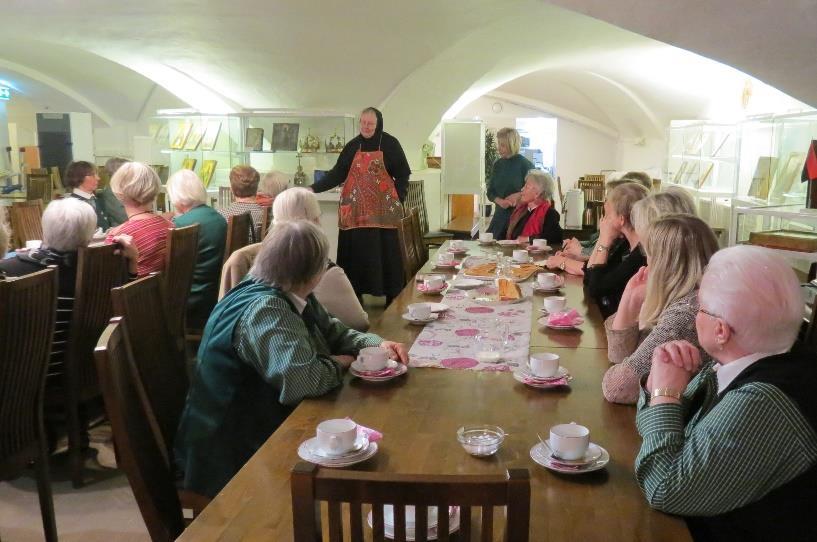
[(562, 265), (666, 392), (601, 248)]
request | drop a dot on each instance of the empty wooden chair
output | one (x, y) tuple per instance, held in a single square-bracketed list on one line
[(238, 233), (139, 449), (98, 270), (26, 221), (415, 198), (311, 485), (408, 250), (27, 311), (180, 261), (417, 234)]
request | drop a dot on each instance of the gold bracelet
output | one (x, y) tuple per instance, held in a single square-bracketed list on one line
[(666, 392)]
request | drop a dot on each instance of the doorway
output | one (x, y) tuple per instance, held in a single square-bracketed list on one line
[(54, 140)]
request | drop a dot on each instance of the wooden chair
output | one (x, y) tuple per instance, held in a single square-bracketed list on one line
[(26, 221), (28, 308), (266, 221), (417, 235), (225, 197), (39, 188), (238, 233), (311, 485), (416, 199), (56, 181), (408, 250), (134, 431), (161, 202), (98, 270), (180, 261)]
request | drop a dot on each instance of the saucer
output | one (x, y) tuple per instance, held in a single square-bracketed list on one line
[(438, 307), (487, 243), (419, 322), (306, 452), (526, 373), (536, 250), (467, 284), (456, 251), (422, 289), (507, 242), (453, 526), (542, 456), (361, 442), (544, 322), (548, 290), (451, 265), (399, 369), (527, 260)]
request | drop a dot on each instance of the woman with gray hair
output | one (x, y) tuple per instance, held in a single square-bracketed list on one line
[(189, 198), (272, 184), (268, 345), (734, 448), (535, 217)]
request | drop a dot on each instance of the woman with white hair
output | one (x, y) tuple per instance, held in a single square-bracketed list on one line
[(136, 186), (659, 303), (534, 216), (189, 198), (268, 345), (334, 291), (506, 180), (734, 449), (272, 184)]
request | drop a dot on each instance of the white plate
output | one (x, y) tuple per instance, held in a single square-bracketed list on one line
[(361, 442), (467, 284), (305, 453), (543, 384), (547, 290), (536, 250), (358, 366), (543, 321), (453, 526), (526, 372), (541, 456), (421, 289), (417, 321), (438, 307), (507, 242)]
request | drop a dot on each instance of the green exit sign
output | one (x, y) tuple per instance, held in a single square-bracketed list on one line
[(5, 93)]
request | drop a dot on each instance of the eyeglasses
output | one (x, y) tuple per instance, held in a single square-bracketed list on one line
[(718, 316)]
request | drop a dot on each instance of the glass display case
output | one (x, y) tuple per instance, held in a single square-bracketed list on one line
[(702, 160)]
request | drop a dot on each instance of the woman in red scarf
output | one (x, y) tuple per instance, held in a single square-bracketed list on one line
[(535, 217)]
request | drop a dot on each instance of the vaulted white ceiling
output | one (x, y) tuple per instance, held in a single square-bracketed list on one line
[(416, 59)]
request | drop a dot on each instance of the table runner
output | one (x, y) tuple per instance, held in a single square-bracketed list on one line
[(453, 340)]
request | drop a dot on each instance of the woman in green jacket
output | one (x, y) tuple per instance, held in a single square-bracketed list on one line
[(507, 179)]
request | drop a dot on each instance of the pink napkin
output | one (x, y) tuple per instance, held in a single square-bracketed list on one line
[(373, 434), (547, 382), (570, 318)]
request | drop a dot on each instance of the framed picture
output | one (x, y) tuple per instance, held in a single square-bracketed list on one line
[(719, 147), (193, 140), (208, 168), (254, 139), (761, 180), (285, 136), (189, 163), (707, 172), (181, 135), (679, 175), (792, 168), (208, 143)]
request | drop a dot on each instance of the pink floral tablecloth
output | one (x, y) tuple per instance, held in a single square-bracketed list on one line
[(467, 328)]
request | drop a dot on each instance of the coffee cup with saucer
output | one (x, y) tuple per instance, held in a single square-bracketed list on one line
[(373, 358)]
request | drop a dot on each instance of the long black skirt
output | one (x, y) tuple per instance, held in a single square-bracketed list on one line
[(370, 257)]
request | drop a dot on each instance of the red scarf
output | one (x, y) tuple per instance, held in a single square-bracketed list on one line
[(533, 227)]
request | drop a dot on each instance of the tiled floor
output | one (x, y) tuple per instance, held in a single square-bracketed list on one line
[(102, 511)]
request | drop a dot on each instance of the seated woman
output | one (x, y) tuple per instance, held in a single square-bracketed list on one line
[(268, 345), (534, 216), (616, 256), (659, 303), (244, 184), (734, 450), (272, 184), (136, 186), (189, 198)]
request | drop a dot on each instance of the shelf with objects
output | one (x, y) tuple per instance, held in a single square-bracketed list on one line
[(298, 143), (702, 160), (210, 145)]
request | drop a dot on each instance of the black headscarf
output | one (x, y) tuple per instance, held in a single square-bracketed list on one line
[(393, 157)]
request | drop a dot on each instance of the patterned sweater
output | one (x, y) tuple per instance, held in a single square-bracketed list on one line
[(631, 349)]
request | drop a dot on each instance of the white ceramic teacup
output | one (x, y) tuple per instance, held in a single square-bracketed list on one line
[(433, 282), (520, 255), (569, 441), (419, 311), (540, 243), (486, 237), (445, 258), (555, 303), (374, 358), (457, 244), (544, 365), (547, 280), (337, 436), (33, 244)]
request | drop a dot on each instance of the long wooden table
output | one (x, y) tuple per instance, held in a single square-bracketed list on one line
[(419, 415)]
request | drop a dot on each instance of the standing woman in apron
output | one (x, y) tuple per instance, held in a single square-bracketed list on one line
[(507, 179), (375, 173)]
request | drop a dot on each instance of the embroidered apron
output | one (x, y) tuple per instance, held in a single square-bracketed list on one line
[(369, 198)]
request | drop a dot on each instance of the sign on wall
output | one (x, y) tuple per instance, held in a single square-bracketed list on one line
[(5, 93)]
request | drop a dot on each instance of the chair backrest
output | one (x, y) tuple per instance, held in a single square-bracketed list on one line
[(310, 485), (238, 233), (158, 357), (236, 268), (26, 221), (134, 432), (266, 221), (593, 187), (180, 261), (28, 307), (408, 250), (39, 188), (56, 179), (161, 202), (415, 198), (225, 196), (99, 269), (417, 235)]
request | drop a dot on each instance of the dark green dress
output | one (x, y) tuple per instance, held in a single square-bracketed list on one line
[(507, 177), (207, 273)]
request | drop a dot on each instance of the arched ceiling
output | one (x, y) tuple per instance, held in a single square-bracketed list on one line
[(415, 59)]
